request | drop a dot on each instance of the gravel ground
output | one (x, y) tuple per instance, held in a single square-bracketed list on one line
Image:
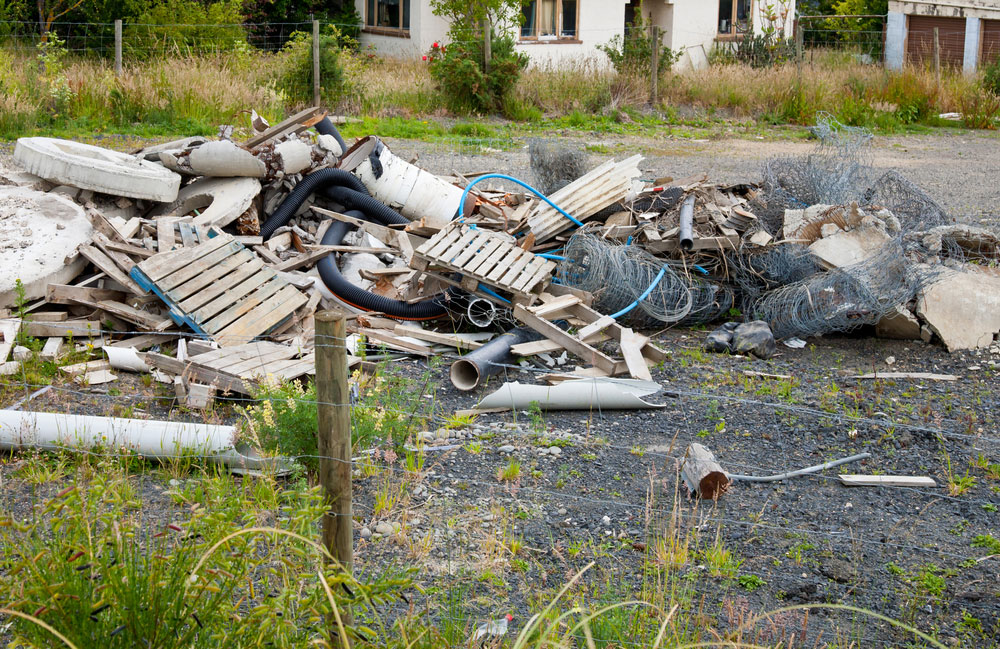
[(610, 492)]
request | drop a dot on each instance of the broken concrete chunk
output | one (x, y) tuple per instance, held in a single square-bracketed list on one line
[(39, 258), (851, 247), (963, 309), (219, 201), (100, 170), (330, 144), (899, 325), (152, 153), (293, 156), (220, 158)]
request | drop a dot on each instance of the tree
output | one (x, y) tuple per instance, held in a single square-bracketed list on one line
[(51, 10)]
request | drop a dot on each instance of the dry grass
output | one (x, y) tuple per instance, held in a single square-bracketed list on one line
[(192, 94)]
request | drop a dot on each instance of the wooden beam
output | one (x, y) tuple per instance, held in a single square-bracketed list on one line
[(50, 329), (110, 268), (572, 344), (64, 294), (191, 370)]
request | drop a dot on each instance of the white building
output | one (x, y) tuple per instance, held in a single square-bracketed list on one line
[(569, 30), (968, 32)]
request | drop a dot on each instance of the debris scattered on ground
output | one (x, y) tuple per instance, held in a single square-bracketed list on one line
[(239, 244)]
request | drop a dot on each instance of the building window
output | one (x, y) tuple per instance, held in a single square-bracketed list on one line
[(389, 15), (734, 16), (550, 20)]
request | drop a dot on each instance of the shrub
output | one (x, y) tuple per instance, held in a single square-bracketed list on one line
[(632, 53), (296, 81), (991, 77), (186, 26), (467, 88), (980, 109)]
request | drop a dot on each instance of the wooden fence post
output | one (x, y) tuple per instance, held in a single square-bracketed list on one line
[(487, 44), (937, 57), (654, 63), (118, 48), (334, 420), (316, 63)]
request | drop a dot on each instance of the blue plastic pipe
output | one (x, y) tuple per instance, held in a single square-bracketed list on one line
[(522, 184)]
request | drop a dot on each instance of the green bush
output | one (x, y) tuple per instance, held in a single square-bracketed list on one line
[(296, 81), (991, 77), (186, 27), (632, 53), (467, 88)]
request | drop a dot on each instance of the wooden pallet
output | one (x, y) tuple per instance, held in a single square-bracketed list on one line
[(483, 256), (220, 289), (178, 232)]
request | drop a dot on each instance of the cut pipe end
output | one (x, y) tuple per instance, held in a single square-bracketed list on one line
[(687, 244), (465, 375)]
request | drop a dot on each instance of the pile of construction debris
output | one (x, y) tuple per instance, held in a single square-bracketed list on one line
[(241, 243)]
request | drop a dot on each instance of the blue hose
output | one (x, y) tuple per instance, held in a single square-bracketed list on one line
[(489, 291), (642, 297), (522, 184), (548, 255)]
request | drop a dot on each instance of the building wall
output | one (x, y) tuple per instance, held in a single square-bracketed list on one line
[(950, 8), (599, 22)]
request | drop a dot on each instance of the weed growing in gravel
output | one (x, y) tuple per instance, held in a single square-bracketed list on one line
[(750, 583), (987, 541), (457, 421), (720, 560), (510, 472)]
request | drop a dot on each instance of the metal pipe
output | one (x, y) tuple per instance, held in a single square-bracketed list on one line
[(686, 232), (470, 370), (792, 474)]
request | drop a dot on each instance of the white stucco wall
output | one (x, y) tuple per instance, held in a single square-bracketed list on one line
[(989, 9), (425, 29), (599, 22)]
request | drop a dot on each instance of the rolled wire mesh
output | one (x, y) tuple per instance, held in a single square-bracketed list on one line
[(843, 298), (618, 275), (555, 165), (757, 270), (914, 209)]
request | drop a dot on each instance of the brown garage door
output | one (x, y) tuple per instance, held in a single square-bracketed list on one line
[(920, 40), (990, 35)]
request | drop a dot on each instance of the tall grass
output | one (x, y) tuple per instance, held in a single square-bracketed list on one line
[(192, 94)]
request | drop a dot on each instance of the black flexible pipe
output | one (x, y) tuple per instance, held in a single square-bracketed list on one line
[(362, 299), (326, 127), (373, 208), (303, 190), (470, 370)]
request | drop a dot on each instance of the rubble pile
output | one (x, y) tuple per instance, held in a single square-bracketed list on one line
[(242, 242)]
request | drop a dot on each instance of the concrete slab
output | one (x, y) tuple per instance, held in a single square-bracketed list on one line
[(899, 325), (847, 248), (219, 201), (101, 170), (963, 309), (38, 232)]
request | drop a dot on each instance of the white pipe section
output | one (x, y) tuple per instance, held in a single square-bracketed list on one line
[(577, 394), (154, 440)]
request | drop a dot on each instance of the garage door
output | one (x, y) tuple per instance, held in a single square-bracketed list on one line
[(920, 40), (990, 34)]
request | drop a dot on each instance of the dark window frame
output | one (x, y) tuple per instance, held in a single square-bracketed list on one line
[(737, 27), (559, 17), (372, 26)]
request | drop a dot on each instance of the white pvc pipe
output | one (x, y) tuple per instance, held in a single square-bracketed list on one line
[(154, 440), (416, 193)]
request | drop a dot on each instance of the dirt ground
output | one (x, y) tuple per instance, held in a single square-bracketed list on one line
[(610, 492)]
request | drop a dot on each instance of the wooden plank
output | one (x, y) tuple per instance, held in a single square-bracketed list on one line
[(483, 254), (306, 259), (187, 233), (298, 118), (513, 262), (191, 287), (547, 346), (391, 341), (165, 234), (573, 345), (231, 298), (125, 263), (8, 336), (160, 265), (143, 318), (631, 345), (267, 254), (293, 368), (192, 370), (206, 296), (455, 250), (264, 317), (491, 262), (145, 341), (451, 340), (82, 368), (380, 232), (52, 329), (482, 239), (49, 316), (439, 243), (538, 269), (129, 249), (259, 365), (201, 270), (856, 480), (556, 305), (110, 268)]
